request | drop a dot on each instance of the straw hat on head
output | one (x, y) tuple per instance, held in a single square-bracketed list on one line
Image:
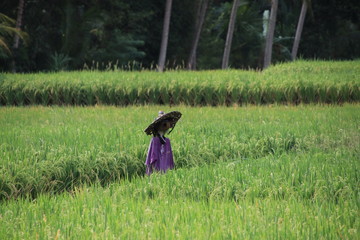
[(173, 117)]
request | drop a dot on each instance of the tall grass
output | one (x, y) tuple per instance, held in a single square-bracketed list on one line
[(293, 83), (294, 196), (54, 149)]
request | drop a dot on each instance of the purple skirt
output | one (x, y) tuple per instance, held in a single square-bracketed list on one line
[(159, 157)]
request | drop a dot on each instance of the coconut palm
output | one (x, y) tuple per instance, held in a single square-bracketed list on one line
[(200, 17), (7, 31), (229, 35), (270, 33), (18, 26), (305, 4), (165, 36)]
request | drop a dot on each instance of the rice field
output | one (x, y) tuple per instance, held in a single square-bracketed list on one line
[(289, 83), (54, 149), (308, 196), (258, 155), (250, 172)]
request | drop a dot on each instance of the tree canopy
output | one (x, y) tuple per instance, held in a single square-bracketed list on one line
[(108, 34)]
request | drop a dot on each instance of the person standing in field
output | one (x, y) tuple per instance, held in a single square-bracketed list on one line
[(160, 157)]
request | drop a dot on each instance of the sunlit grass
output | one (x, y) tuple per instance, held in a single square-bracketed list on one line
[(52, 149), (278, 172), (289, 83), (307, 196)]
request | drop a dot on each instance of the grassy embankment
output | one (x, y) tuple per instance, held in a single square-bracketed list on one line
[(290, 83)]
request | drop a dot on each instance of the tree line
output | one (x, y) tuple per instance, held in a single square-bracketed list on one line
[(40, 35)]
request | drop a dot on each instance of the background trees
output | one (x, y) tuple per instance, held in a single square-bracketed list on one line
[(78, 34), (299, 28), (199, 22), (165, 36), (7, 32), (270, 33), (229, 35)]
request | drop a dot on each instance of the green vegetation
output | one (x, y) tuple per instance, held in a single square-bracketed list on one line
[(78, 34), (251, 172), (310, 195), (270, 154), (293, 83), (52, 149)]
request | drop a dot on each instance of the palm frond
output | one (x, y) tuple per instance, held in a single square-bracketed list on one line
[(6, 20), (7, 31), (4, 46)]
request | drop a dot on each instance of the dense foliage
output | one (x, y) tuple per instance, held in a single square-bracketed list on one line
[(84, 34)]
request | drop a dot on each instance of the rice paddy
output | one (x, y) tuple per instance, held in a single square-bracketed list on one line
[(52, 149), (242, 171), (290, 83), (290, 197)]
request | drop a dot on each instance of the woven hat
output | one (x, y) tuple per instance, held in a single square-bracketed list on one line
[(173, 117)]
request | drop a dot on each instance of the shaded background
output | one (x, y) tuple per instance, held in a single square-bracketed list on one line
[(79, 34)]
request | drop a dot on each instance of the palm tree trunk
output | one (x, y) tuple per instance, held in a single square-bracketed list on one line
[(16, 37), (299, 30), (165, 36), (200, 17), (270, 34), (229, 36)]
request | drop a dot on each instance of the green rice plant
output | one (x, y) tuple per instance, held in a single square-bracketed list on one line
[(119, 94), (54, 95), (55, 149), (89, 97), (8, 95), (65, 93), (164, 95), (290, 83), (179, 94), (143, 97), (308, 196), (220, 95), (131, 94)]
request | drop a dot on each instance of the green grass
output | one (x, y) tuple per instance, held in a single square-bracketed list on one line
[(268, 172), (294, 196), (252, 172), (289, 83), (52, 149)]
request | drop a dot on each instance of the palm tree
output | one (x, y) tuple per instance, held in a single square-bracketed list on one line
[(165, 36), (299, 28), (200, 17), (270, 34), (16, 37), (6, 32), (229, 36)]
